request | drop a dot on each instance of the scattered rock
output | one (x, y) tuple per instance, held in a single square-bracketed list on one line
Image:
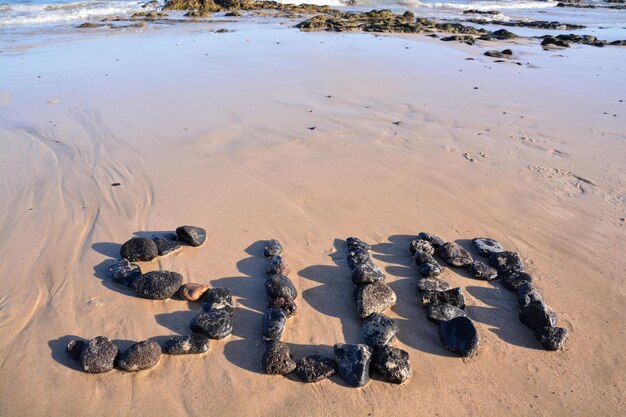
[(421, 245), (277, 359), (494, 54), (273, 248), (512, 280), (367, 273), (538, 314), (432, 284), (274, 322), (166, 244), (379, 330), (139, 249), (355, 243), (286, 304), (459, 335), (467, 39), (427, 267), (551, 338), (140, 356), (354, 363), (98, 355), (527, 293), (501, 34), (315, 368), (438, 313), (232, 14), (218, 299), (216, 324), (278, 266), (393, 364), (192, 291), (481, 270), (551, 41), (454, 254), (124, 272), (506, 262), (486, 247), (74, 348), (358, 257), (187, 345), (508, 52), (191, 235), (280, 286), (453, 296), (158, 285), (374, 298)]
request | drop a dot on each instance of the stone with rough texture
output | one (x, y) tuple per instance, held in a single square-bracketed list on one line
[(481, 270), (166, 244), (286, 304), (74, 348), (354, 363), (506, 262), (432, 284), (139, 249), (273, 248), (392, 364), (367, 273), (438, 313), (374, 298), (551, 338), (454, 254), (538, 314), (140, 356), (278, 266), (528, 293), (358, 257), (277, 359), (486, 247), (192, 291), (98, 355), (274, 322), (314, 368), (216, 324), (421, 245), (187, 345), (421, 258), (158, 285), (454, 297), (379, 330), (459, 335), (355, 243), (427, 266), (280, 286), (191, 235), (512, 280), (435, 241), (218, 299), (124, 272)]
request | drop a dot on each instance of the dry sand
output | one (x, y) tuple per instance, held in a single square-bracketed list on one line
[(212, 130)]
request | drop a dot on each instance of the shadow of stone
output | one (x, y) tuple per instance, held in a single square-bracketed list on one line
[(58, 353), (178, 321)]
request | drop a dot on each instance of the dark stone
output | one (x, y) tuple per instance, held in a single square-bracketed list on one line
[(75, 348), (286, 304), (192, 291), (358, 257), (158, 285), (422, 257), (512, 280), (551, 338), (274, 322), (216, 324), (280, 286), (166, 244), (191, 235), (187, 345), (481, 270), (459, 335), (438, 313), (435, 241), (139, 249), (421, 245), (538, 314), (278, 266), (379, 330), (277, 359), (393, 364), (218, 299), (453, 296), (501, 34), (494, 54), (429, 270), (432, 284), (506, 52), (485, 246), (273, 248), (98, 355), (506, 262), (549, 40), (374, 298), (467, 39), (454, 254), (355, 243), (140, 356), (367, 273), (527, 293), (124, 272), (315, 368), (354, 363)]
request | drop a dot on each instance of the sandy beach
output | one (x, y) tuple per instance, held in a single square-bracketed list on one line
[(268, 132)]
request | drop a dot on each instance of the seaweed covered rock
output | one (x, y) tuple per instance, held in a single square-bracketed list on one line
[(192, 291), (98, 355), (314, 368), (374, 298), (379, 330), (274, 321), (280, 286), (459, 335), (367, 273), (191, 235), (139, 249), (438, 313), (187, 345), (157, 285), (277, 359), (124, 272), (216, 324), (454, 254), (140, 356), (273, 248), (392, 364), (551, 338), (354, 363), (218, 299)]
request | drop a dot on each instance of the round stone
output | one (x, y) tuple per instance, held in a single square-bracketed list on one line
[(528, 293), (216, 324), (358, 257), (218, 299), (139, 249), (355, 243), (191, 235), (278, 266), (454, 297), (273, 248), (280, 286), (367, 273), (140, 356), (158, 285), (98, 355), (379, 330), (166, 244), (459, 335), (286, 304)]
